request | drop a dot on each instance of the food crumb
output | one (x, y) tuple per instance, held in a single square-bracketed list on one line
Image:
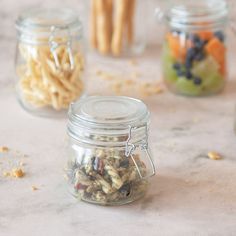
[(21, 163), (117, 87), (158, 90), (129, 82), (105, 75), (214, 156), (6, 174), (4, 149), (34, 188), (133, 62), (135, 75), (17, 173)]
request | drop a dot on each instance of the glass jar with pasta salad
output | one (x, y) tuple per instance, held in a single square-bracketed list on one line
[(49, 60), (194, 50), (109, 157)]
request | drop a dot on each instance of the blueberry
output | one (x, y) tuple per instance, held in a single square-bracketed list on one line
[(188, 64), (197, 80), (177, 66), (191, 53), (95, 163), (220, 35), (199, 56), (124, 163), (125, 189), (194, 38), (188, 75), (180, 73), (199, 45)]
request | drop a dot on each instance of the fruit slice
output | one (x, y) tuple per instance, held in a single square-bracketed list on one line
[(213, 83), (217, 50), (205, 67), (187, 87), (205, 35), (208, 70), (178, 46), (168, 62)]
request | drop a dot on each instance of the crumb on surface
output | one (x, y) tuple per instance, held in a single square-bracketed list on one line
[(6, 173), (34, 188), (116, 87), (17, 173), (214, 156), (133, 62), (149, 89), (21, 163), (135, 75), (105, 75), (129, 82), (4, 149), (158, 90)]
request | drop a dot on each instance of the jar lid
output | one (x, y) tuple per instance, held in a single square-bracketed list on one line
[(42, 21), (197, 14), (107, 116)]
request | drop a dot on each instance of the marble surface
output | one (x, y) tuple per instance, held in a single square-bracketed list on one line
[(190, 195)]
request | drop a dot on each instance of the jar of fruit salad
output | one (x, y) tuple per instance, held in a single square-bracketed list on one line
[(194, 49), (109, 157), (49, 60)]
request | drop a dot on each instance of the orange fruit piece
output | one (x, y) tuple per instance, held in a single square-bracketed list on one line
[(217, 50), (178, 48), (205, 35)]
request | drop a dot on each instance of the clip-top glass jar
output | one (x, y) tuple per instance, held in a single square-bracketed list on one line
[(49, 60), (109, 157), (194, 50)]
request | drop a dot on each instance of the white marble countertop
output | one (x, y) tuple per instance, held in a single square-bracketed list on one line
[(190, 195)]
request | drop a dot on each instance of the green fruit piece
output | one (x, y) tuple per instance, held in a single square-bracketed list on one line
[(187, 87), (205, 67), (213, 82), (208, 71), (168, 61)]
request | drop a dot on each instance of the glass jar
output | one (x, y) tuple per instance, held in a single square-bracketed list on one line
[(49, 60), (109, 157), (194, 49), (118, 28)]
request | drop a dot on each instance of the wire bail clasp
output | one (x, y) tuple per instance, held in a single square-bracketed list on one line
[(54, 45), (130, 148)]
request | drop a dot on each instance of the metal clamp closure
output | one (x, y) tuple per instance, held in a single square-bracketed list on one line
[(130, 148), (54, 45)]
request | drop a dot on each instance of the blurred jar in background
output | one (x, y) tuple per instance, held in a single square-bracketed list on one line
[(49, 60), (118, 27), (194, 50)]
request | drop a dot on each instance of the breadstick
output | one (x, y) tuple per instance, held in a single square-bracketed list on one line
[(102, 27), (109, 9), (121, 16), (130, 21), (93, 24)]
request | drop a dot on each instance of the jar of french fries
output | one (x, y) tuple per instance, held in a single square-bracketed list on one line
[(109, 157), (49, 60), (118, 27)]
